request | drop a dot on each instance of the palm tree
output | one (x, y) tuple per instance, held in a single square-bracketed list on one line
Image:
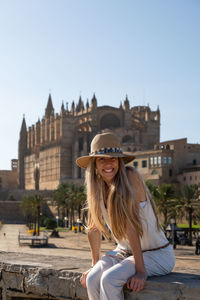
[(189, 205), (164, 196), (69, 198), (31, 206), (60, 199), (38, 201), (26, 207)]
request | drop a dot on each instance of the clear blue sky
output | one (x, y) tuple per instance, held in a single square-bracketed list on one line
[(149, 50)]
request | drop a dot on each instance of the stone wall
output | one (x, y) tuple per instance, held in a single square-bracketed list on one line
[(25, 277), (10, 211)]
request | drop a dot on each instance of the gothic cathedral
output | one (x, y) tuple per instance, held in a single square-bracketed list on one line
[(48, 149)]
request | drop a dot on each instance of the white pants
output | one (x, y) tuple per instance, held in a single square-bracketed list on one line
[(106, 279)]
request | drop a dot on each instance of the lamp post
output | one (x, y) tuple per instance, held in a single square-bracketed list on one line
[(57, 220), (172, 221), (65, 219), (79, 224)]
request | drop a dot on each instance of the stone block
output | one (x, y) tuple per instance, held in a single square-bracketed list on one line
[(80, 292), (176, 286), (12, 281), (35, 282), (61, 287)]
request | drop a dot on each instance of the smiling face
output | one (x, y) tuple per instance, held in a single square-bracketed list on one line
[(107, 167)]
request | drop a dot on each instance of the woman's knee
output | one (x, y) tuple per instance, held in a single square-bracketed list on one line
[(118, 275), (109, 279), (92, 280)]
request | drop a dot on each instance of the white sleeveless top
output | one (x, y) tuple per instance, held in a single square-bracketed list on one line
[(152, 237)]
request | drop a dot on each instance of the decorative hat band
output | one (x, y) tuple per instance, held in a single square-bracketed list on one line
[(106, 150)]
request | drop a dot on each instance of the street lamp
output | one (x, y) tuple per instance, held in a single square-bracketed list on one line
[(79, 224), (172, 221), (57, 220), (65, 219)]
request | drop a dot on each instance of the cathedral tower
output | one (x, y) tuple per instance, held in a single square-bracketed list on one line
[(22, 149)]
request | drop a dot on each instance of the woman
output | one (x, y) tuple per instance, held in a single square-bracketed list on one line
[(119, 201)]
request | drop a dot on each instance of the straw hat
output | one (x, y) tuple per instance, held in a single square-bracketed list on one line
[(104, 145)]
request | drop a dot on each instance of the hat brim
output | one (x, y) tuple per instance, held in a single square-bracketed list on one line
[(83, 161)]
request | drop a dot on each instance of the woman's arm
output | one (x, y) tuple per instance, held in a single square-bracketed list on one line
[(94, 238), (137, 281)]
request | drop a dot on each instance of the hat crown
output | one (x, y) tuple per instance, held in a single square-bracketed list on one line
[(105, 140)]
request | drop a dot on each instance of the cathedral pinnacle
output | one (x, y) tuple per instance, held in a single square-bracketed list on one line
[(23, 130), (94, 101), (73, 108), (49, 109), (62, 108), (87, 105), (126, 103)]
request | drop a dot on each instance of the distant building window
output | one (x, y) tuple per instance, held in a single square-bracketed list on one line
[(159, 160), (194, 161), (127, 139), (170, 173), (167, 147), (169, 160), (135, 163), (184, 178), (155, 160), (154, 172), (162, 147), (144, 164), (164, 160), (190, 177), (151, 161)]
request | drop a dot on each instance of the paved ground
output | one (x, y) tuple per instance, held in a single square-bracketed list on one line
[(76, 246)]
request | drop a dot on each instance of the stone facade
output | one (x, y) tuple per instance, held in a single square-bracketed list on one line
[(190, 175), (9, 178), (48, 149)]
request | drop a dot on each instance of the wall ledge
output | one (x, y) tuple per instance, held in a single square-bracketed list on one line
[(37, 276)]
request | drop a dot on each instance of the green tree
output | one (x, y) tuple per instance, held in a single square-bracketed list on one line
[(189, 205), (68, 198), (164, 196), (31, 206), (26, 207)]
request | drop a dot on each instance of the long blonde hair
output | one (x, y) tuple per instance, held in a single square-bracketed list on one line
[(121, 203)]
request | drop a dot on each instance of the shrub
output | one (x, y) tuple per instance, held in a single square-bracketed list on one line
[(43, 220), (51, 224)]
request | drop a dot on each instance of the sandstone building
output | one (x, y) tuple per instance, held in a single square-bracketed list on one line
[(9, 178), (174, 161), (48, 149)]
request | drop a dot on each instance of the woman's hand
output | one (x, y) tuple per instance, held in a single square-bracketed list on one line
[(83, 278), (136, 282)]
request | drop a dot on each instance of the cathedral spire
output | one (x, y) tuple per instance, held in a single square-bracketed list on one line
[(22, 148), (87, 105), (62, 108), (23, 130), (126, 103), (73, 108), (49, 109), (94, 102)]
